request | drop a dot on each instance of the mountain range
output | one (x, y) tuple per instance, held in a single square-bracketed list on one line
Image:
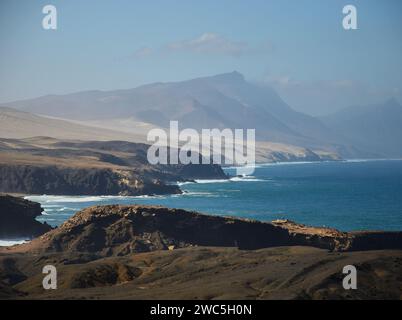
[(226, 101)]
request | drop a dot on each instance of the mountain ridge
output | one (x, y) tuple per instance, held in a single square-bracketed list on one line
[(223, 101)]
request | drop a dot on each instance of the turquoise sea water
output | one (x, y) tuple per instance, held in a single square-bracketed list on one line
[(352, 195)]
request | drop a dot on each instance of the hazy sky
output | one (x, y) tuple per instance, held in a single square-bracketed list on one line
[(298, 47)]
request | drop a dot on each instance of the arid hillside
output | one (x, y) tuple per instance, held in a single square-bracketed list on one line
[(142, 252), (16, 124), (45, 165)]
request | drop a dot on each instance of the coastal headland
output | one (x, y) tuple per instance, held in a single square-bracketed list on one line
[(152, 252)]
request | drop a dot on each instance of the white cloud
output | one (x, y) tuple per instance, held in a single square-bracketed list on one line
[(206, 43), (212, 43)]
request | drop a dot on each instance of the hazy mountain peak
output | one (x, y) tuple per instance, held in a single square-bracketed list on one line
[(221, 101), (229, 77)]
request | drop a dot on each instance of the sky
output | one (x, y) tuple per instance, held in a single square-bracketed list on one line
[(298, 47)]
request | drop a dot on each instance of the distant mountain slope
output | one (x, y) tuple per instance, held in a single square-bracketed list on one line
[(377, 127), (222, 101), (16, 124)]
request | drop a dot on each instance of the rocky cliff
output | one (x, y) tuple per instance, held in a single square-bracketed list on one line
[(49, 166), (28, 179), (144, 252), (17, 218), (120, 230)]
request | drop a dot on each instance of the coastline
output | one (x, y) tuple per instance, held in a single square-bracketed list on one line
[(203, 195), (265, 164)]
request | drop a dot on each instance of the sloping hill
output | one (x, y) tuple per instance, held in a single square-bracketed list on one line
[(17, 124)]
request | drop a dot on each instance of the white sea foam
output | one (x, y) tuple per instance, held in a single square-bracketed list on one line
[(179, 183), (200, 193), (6, 243), (251, 166), (233, 179), (211, 180), (246, 179), (45, 199), (54, 199), (65, 208), (370, 160), (358, 160)]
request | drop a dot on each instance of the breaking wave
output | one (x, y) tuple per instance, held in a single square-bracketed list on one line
[(6, 243)]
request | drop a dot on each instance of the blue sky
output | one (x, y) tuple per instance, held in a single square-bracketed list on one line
[(298, 47)]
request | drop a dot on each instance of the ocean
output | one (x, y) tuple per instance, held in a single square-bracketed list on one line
[(347, 195)]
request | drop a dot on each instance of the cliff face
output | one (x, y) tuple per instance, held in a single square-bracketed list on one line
[(121, 230), (50, 166), (197, 171), (78, 181), (376, 240), (17, 218)]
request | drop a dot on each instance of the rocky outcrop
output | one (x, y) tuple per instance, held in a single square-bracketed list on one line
[(129, 252), (319, 237), (50, 166), (341, 241), (120, 230), (17, 218), (375, 240), (55, 180), (197, 171)]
